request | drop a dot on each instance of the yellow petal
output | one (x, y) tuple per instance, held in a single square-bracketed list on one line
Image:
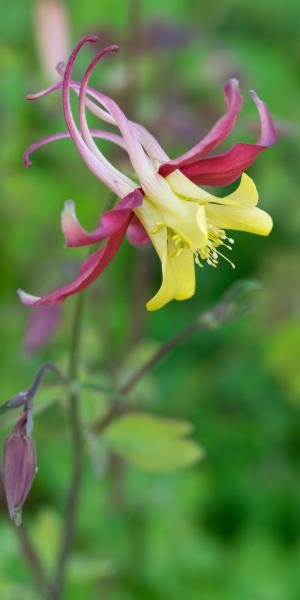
[(252, 220), (183, 186), (178, 272), (187, 219), (202, 223), (245, 195), (150, 216), (178, 277)]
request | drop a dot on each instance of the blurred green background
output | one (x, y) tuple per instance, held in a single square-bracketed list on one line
[(227, 528)]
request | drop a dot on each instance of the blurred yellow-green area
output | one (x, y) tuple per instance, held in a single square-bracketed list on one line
[(228, 527)]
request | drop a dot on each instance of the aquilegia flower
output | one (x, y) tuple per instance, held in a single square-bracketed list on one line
[(186, 224)]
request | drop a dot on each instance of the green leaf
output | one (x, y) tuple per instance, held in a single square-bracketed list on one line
[(154, 443)]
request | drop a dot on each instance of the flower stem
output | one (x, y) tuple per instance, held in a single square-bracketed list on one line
[(34, 563), (77, 467), (234, 304), (164, 349), (118, 407), (23, 399), (46, 367)]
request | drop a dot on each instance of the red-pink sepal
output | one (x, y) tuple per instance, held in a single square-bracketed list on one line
[(95, 264), (90, 270), (19, 468), (75, 235), (227, 167), (216, 135), (136, 233)]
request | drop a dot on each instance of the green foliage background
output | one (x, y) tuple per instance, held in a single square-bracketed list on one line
[(227, 528)]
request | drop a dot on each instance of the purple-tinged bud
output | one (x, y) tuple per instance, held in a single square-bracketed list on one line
[(19, 468)]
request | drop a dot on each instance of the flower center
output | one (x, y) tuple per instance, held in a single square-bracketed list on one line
[(210, 252)]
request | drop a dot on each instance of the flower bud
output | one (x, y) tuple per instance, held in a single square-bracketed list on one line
[(19, 468)]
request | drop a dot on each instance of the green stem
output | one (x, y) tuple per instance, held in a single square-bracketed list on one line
[(77, 467), (234, 304), (75, 338), (34, 563), (119, 407), (163, 351)]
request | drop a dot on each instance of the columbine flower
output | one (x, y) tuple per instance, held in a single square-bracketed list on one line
[(186, 224), (19, 467)]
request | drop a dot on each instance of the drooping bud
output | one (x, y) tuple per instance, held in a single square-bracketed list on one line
[(19, 468)]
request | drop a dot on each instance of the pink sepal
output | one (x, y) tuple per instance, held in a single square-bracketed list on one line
[(216, 135), (111, 221), (136, 233), (95, 264), (227, 167)]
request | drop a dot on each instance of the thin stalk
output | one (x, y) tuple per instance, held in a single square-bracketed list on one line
[(31, 557), (119, 407), (46, 367), (163, 351), (22, 399), (77, 466), (34, 564), (234, 304)]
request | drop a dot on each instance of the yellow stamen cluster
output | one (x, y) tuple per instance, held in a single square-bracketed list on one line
[(158, 227), (179, 243), (211, 253)]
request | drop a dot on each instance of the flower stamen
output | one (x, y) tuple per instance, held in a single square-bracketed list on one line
[(158, 228), (210, 253)]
